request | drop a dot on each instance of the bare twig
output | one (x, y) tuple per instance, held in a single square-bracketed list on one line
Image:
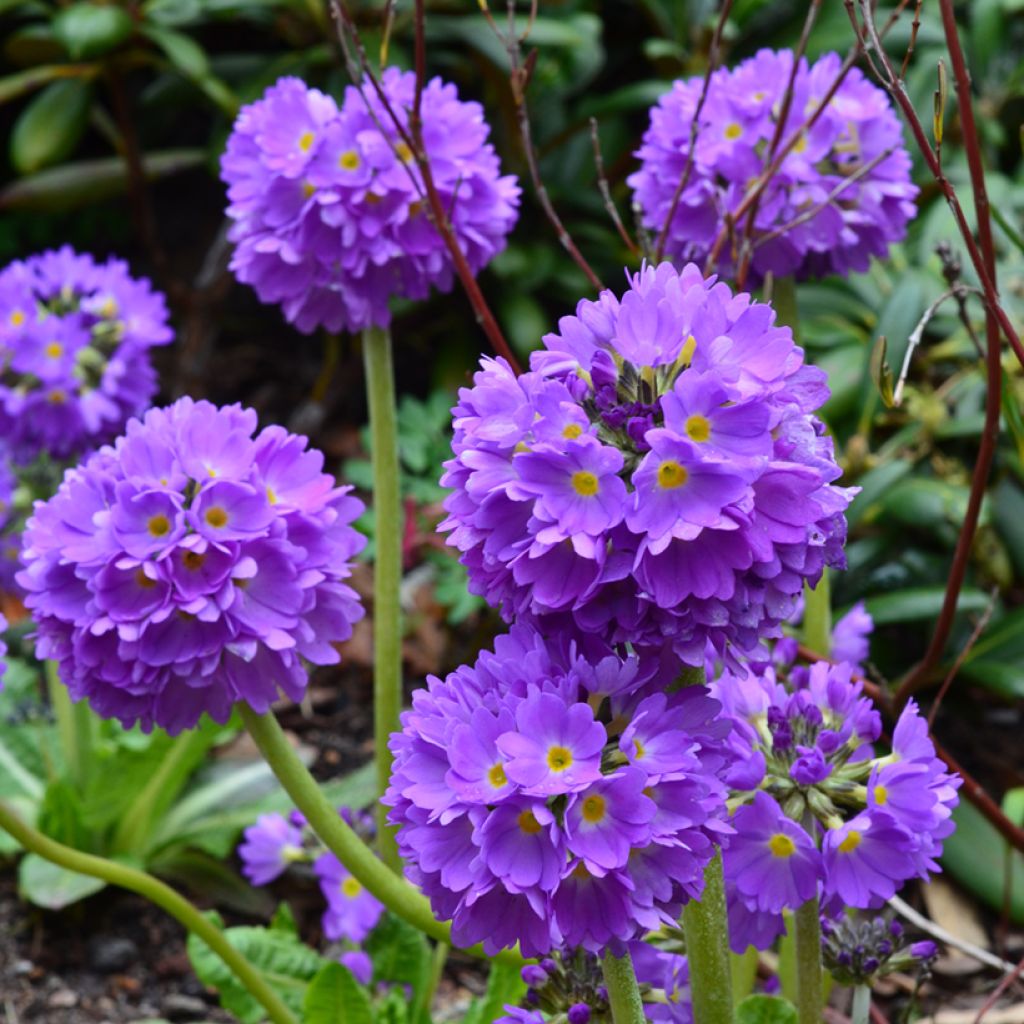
[(606, 192), (914, 26), (997, 993)]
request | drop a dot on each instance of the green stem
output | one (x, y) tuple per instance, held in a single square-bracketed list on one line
[(809, 993), (425, 997), (623, 992), (387, 575), (706, 927), (74, 725), (818, 616), (156, 892), (784, 301), (861, 1012), (393, 891)]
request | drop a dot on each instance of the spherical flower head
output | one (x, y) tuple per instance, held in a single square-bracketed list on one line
[(269, 848), (657, 478), (352, 911), (75, 337), (526, 815), (841, 195), (331, 219), (190, 566)]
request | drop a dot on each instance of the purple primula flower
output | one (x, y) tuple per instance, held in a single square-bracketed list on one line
[(352, 911), (10, 526), (521, 818), (851, 636), (866, 859), (168, 578), (841, 195), (330, 214), (657, 478), (75, 337), (3, 650), (269, 848), (359, 963), (669, 972)]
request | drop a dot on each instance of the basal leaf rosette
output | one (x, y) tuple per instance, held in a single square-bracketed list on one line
[(658, 478), (190, 566)]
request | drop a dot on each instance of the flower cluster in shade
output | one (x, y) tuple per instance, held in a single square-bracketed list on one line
[(276, 843), (330, 215), (817, 812), (190, 566), (658, 477), (569, 986), (841, 195), (75, 337), (555, 797)]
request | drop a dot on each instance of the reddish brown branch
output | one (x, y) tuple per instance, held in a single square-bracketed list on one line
[(606, 192), (1005, 982)]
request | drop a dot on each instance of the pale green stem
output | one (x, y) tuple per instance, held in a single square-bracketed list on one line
[(861, 1012), (74, 725), (393, 891), (743, 969), (706, 927), (133, 829), (332, 351), (818, 616), (387, 570), (809, 992), (623, 992), (425, 997), (784, 302), (156, 892)]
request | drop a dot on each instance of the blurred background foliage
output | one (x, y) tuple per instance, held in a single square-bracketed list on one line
[(115, 115)]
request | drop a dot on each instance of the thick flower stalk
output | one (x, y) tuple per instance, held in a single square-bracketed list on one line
[(190, 566), (75, 337), (841, 195), (330, 214), (657, 478), (557, 798)]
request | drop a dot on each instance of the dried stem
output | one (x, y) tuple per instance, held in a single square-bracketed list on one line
[(606, 192)]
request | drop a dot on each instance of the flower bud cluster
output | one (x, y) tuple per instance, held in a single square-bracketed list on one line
[(858, 950)]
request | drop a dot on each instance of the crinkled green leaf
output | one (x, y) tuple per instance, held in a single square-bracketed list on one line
[(52, 887), (335, 997), (762, 1009)]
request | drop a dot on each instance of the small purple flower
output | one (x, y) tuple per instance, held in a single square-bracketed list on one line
[(605, 821), (866, 859), (269, 848), (352, 911), (359, 963)]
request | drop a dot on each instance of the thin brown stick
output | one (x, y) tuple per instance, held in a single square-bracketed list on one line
[(606, 192), (1005, 982), (914, 26)]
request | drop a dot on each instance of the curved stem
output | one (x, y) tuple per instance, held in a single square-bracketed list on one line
[(394, 892), (810, 995), (706, 927), (387, 569), (156, 892), (623, 991), (818, 616)]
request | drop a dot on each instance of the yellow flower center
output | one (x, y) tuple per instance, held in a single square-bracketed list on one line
[(733, 131), (686, 353), (585, 483), (800, 145), (18, 317), (528, 823), (881, 795), (594, 808), (572, 431), (559, 759), (672, 475), (272, 496), (193, 560), (640, 749), (308, 188), (216, 517), (351, 888), (496, 776), (109, 309), (521, 446), (349, 160), (306, 140), (143, 580), (850, 843), (54, 350), (698, 428), (57, 397), (781, 845), (158, 526)]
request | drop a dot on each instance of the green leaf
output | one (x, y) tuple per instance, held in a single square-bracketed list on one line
[(12, 86), (761, 1009), (504, 985), (211, 878), (335, 997), (287, 965), (1013, 806), (873, 485), (400, 954), (997, 659), (916, 603), (52, 887), (90, 30), (49, 128), (181, 50)]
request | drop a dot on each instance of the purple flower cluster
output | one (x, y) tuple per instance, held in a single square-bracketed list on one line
[(74, 352), (856, 951), (275, 843), (10, 540), (551, 798), (190, 566), (3, 650), (821, 813), (842, 194), (656, 478), (331, 218)]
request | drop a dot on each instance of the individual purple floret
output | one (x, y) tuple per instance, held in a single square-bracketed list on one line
[(529, 813), (359, 963), (75, 337), (819, 812), (352, 911), (656, 478), (841, 195), (191, 566), (330, 216), (269, 848)]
